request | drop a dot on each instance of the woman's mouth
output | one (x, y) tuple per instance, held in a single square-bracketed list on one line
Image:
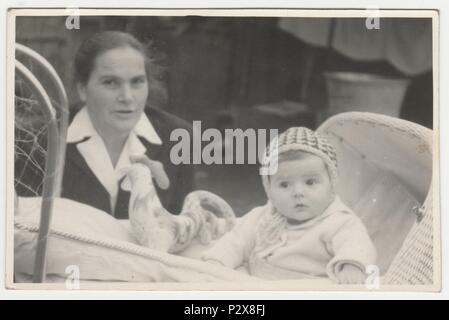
[(124, 113)]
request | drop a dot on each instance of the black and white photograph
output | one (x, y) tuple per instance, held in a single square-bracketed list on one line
[(223, 149)]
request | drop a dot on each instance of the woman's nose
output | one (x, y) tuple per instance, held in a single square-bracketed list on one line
[(125, 94)]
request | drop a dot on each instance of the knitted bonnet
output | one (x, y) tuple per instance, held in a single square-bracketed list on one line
[(302, 139)]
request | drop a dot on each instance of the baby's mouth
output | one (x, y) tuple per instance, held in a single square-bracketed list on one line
[(300, 206)]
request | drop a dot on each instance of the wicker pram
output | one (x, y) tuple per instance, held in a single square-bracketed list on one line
[(370, 148), (403, 151)]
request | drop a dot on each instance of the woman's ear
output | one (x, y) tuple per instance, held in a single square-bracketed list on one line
[(81, 88)]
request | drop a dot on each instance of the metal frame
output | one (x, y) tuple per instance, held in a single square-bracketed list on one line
[(56, 136)]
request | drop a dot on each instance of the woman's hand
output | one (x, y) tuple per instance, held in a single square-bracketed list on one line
[(156, 168), (350, 274)]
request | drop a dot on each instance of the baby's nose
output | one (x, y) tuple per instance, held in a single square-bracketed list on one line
[(298, 191)]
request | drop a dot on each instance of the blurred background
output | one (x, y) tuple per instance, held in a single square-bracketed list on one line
[(262, 73)]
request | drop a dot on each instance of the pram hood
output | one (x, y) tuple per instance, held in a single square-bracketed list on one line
[(393, 145)]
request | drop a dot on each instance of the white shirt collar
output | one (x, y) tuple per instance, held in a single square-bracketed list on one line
[(82, 127), (96, 156)]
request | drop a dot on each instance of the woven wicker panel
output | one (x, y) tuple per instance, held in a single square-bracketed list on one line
[(413, 264)]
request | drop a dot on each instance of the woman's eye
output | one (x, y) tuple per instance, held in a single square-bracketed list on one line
[(311, 182), (110, 82), (139, 81)]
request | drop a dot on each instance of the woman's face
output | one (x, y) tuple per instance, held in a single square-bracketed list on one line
[(117, 90)]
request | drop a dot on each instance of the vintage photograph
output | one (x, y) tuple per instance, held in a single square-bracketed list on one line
[(223, 150)]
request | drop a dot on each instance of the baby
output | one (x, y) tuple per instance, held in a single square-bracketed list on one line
[(304, 230)]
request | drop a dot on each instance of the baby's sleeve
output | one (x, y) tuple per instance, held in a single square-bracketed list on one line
[(351, 244), (233, 249)]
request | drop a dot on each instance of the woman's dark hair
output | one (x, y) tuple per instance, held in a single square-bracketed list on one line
[(101, 42)]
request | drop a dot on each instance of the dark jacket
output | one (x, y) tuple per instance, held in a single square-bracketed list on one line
[(80, 183)]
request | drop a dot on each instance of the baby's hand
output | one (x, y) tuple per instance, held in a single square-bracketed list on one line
[(350, 274)]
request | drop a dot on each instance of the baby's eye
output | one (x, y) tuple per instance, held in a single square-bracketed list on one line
[(284, 184), (311, 182)]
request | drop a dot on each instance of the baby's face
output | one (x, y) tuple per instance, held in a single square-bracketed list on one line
[(301, 188)]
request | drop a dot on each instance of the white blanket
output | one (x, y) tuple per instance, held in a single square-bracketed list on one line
[(102, 249)]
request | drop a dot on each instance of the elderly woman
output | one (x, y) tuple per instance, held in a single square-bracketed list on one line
[(116, 127)]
